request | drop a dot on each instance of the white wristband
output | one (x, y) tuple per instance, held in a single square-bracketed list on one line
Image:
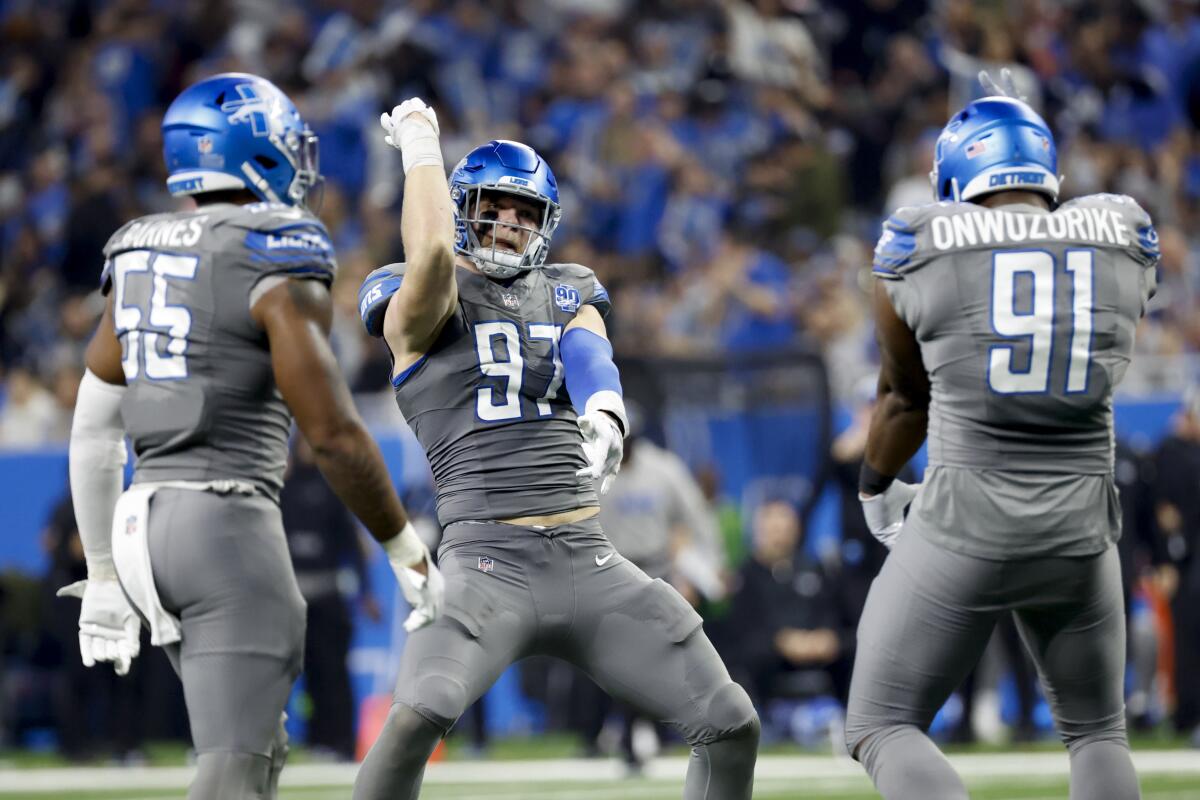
[(405, 549), (610, 401), (419, 145)]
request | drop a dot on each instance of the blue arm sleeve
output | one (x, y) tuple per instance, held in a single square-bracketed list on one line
[(373, 298), (588, 363)]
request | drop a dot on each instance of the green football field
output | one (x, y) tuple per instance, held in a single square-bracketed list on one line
[(1165, 775)]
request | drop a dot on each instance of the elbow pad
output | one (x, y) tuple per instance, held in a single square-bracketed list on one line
[(96, 456), (591, 376), (373, 298)]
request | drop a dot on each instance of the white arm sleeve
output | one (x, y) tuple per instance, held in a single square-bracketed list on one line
[(97, 459)]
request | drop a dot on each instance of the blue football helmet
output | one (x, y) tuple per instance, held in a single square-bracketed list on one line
[(993, 144), (514, 168), (239, 131)]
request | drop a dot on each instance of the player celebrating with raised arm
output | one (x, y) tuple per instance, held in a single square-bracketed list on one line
[(217, 327), (502, 367), (1005, 322)]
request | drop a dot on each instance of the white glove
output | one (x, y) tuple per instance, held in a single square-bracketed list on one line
[(415, 137), (1005, 87), (109, 630), (425, 593), (603, 446), (885, 512)]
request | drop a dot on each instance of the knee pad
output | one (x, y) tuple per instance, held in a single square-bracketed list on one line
[(1107, 729), (856, 732), (730, 715), (863, 741), (861, 731), (440, 699)]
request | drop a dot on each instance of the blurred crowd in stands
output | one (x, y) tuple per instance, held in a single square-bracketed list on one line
[(724, 166), (724, 163)]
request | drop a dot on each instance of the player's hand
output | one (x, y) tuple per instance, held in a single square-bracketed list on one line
[(1005, 87), (412, 128), (424, 589), (885, 512), (603, 446), (109, 630)]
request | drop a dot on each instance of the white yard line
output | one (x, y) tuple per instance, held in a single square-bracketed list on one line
[(497, 773)]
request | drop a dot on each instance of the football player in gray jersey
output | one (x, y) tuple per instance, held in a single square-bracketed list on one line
[(214, 333), (502, 367), (1005, 321)]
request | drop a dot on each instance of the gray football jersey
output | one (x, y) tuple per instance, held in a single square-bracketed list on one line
[(202, 402), (488, 403), (1025, 320)]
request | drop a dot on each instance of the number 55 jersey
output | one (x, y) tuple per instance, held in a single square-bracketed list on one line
[(1025, 319), (489, 404), (202, 402)]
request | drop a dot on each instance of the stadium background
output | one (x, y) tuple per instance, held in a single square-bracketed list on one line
[(724, 166)]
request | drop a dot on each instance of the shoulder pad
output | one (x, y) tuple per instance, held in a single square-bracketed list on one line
[(375, 294), (284, 240), (267, 216), (584, 281), (897, 242), (1145, 247)]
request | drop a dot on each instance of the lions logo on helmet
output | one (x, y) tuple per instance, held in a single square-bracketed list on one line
[(238, 131), (513, 168), (994, 143)]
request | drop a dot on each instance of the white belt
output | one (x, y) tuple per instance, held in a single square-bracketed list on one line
[(131, 549)]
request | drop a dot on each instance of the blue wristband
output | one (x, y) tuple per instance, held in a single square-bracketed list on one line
[(373, 298)]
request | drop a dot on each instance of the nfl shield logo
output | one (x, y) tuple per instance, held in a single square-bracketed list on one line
[(510, 300), (131, 524), (486, 564), (204, 144)]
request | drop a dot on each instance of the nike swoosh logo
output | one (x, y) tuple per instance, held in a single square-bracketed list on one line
[(600, 562)]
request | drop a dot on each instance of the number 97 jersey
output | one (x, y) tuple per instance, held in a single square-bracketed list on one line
[(202, 402), (489, 404), (1025, 320)]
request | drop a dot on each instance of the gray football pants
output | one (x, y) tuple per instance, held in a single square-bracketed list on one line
[(221, 565), (928, 617), (513, 592)]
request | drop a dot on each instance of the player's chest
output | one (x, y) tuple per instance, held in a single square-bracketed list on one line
[(509, 360)]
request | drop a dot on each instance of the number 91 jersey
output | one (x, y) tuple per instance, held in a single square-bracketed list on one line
[(488, 401), (202, 402), (1025, 320)]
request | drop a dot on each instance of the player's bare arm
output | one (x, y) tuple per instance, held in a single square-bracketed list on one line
[(429, 293), (103, 356), (297, 316), (901, 414), (898, 424)]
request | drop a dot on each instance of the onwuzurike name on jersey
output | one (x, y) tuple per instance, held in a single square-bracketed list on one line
[(997, 227)]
